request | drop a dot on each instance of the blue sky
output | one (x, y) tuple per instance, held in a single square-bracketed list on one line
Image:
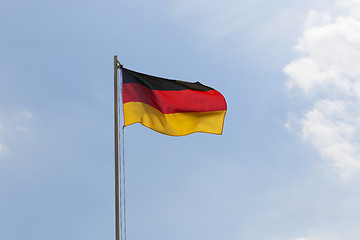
[(285, 168)]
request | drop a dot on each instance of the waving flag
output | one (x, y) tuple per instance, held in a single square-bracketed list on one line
[(171, 107)]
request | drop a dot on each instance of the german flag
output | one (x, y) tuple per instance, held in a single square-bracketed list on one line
[(171, 107)]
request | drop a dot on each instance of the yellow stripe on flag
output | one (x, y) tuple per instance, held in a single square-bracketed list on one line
[(174, 124)]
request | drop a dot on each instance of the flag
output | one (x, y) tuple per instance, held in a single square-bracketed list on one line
[(171, 107)]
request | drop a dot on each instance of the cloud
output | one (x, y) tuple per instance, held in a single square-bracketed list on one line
[(218, 19), (13, 126), (328, 76), (3, 147), (319, 236), (25, 114), (257, 31)]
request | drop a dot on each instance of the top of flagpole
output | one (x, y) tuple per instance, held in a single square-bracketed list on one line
[(119, 65)]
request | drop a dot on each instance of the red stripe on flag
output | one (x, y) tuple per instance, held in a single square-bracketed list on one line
[(174, 101)]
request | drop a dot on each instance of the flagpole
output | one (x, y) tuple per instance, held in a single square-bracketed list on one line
[(116, 128)]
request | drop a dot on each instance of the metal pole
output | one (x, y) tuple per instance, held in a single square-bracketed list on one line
[(116, 121)]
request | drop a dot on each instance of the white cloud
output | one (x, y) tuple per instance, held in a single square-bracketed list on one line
[(13, 126), (219, 18), (3, 147), (319, 236), (25, 114), (353, 6), (209, 15), (328, 75), (256, 30)]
